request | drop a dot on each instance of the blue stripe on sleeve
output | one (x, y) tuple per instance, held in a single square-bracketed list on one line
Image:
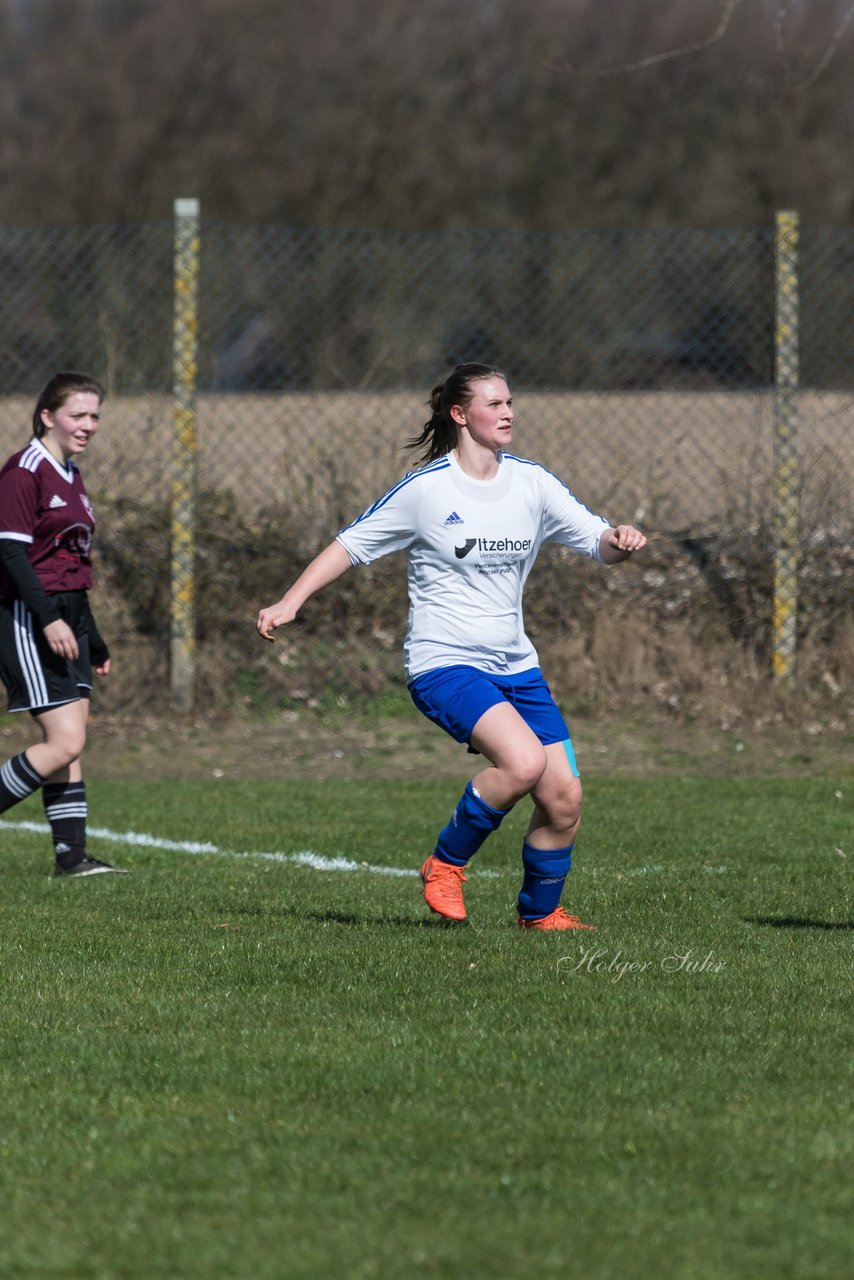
[(439, 465)]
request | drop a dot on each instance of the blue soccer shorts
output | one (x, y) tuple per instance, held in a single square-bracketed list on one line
[(456, 697)]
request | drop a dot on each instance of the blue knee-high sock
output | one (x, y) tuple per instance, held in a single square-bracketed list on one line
[(545, 872), (471, 822)]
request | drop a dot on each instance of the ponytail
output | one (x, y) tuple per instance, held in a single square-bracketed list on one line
[(441, 434)]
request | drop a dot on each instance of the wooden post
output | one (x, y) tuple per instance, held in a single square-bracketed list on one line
[(185, 370), (786, 477)]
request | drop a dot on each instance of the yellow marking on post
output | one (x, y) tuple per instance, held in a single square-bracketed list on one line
[(786, 473), (184, 447)]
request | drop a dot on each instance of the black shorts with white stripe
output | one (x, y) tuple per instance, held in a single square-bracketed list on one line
[(35, 678)]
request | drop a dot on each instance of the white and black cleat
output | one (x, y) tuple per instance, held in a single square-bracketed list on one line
[(89, 867)]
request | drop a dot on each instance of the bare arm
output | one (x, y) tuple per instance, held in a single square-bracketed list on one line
[(325, 568), (618, 544)]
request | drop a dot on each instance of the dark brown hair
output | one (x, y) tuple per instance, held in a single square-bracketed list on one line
[(57, 391), (441, 434)]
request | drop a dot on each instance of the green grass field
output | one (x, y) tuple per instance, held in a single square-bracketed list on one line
[(238, 1066)]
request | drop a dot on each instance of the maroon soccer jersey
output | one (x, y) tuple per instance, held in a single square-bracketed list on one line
[(44, 504)]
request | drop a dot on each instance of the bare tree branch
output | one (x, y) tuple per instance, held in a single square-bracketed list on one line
[(777, 23), (729, 6), (823, 62), (654, 59)]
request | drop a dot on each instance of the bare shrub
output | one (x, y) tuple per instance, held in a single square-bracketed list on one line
[(683, 630)]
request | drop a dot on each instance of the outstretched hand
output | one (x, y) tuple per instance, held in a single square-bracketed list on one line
[(324, 568), (275, 615), (628, 538), (619, 543)]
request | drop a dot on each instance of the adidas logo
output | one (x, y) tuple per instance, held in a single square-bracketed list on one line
[(56, 501), (453, 518)]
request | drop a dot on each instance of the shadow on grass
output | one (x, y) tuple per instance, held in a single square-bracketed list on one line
[(798, 922), (339, 917)]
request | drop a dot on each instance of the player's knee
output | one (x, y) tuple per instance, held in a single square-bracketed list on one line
[(67, 745), (563, 808), (527, 767)]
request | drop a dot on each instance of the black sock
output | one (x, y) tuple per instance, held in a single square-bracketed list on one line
[(18, 779), (66, 811)]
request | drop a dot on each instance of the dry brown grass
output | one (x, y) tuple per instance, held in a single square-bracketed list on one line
[(650, 635), (613, 651), (672, 460)]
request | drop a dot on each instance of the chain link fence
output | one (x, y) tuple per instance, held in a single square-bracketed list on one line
[(644, 365)]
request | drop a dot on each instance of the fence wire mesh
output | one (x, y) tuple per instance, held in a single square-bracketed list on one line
[(642, 365)]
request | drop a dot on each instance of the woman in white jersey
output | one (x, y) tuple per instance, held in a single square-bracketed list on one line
[(471, 521), (49, 643)]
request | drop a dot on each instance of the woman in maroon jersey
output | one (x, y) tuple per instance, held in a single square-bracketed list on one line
[(49, 643)]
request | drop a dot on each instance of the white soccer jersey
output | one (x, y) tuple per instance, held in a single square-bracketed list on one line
[(471, 545)]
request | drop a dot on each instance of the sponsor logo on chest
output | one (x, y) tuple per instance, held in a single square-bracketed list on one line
[(494, 547), (491, 556)]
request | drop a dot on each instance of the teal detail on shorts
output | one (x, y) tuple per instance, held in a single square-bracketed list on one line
[(570, 755)]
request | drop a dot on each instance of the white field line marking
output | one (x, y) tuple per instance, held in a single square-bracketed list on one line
[(655, 868), (305, 858)]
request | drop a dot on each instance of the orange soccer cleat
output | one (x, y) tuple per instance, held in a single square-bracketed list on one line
[(557, 920), (443, 888)]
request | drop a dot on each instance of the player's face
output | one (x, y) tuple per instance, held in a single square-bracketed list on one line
[(69, 429), (489, 414)]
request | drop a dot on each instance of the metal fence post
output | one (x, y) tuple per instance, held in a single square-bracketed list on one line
[(786, 479), (185, 366)]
